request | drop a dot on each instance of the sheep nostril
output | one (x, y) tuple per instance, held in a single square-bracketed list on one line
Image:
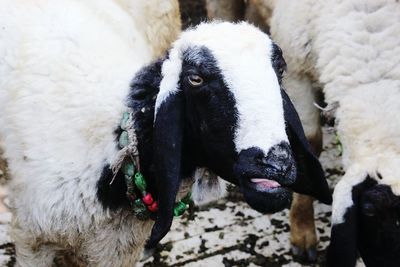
[(273, 166)]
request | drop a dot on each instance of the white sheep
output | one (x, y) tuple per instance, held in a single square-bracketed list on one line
[(352, 49), (212, 102), (65, 70)]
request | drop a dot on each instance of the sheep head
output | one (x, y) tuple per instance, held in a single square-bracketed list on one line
[(220, 105)]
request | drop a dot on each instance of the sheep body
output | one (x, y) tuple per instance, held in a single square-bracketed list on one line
[(65, 121), (351, 48)]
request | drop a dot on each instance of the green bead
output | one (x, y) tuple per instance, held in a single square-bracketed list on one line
[(140, 182), (124, 121), (123, 139), (179, 208), (339, 145), (140, 210), (188, 198), (128, 169)]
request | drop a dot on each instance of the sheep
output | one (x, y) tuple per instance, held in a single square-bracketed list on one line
[(212, 101), (257, 12), (79, 51), (351, 48)]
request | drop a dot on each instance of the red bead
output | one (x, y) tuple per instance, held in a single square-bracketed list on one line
[(153, 207), (148, 199)]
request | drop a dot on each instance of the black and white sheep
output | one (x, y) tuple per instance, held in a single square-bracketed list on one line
[(214, 101)]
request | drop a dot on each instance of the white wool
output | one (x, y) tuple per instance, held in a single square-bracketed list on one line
[(207, 187), (65, 69), (353, 49)]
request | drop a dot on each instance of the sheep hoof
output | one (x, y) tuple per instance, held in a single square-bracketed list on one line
[(312, 254), (307, 255)]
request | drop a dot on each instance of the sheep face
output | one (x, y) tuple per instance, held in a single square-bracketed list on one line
[(220, 101), (248, 148)]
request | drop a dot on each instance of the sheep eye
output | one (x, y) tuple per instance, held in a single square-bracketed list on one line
[(195, 80)]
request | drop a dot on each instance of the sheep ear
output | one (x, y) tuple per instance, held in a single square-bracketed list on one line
[(310, 175), (167, 142)]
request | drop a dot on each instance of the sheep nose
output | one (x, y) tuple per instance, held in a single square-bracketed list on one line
[(278, 159)]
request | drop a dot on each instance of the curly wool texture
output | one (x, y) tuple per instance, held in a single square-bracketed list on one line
[(352, 48), (57, 132)]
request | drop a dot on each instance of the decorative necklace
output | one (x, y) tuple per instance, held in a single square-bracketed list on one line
[(143, 204)]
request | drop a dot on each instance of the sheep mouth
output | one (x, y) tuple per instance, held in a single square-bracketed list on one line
[(266, 195), (264, 184)]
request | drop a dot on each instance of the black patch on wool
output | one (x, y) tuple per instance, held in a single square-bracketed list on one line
[(211, 113), (371, 227), (112, 196), (379, 226)]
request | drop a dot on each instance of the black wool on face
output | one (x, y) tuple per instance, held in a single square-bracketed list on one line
[(211, 114), (193, 128)]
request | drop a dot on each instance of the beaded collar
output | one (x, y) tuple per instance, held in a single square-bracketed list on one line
[(141, 201)]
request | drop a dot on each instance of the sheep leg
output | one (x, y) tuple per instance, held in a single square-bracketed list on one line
[(119, 243), (303, 235), (302, 225), (229, 10), (110, 251), (258, 12), (302, 228)]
